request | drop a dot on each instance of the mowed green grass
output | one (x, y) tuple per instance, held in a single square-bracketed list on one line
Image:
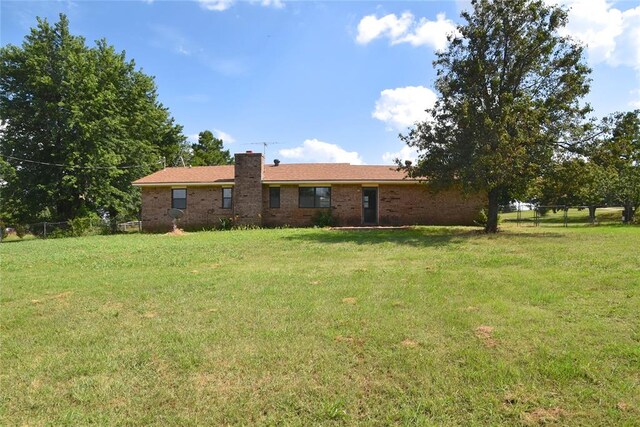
[(428, 326)]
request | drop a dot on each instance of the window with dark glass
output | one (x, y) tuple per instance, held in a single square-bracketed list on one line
[(227, 198), (274, 197), (179, 198), (314, 197)]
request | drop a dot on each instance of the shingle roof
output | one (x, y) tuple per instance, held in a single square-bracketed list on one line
[(196, 174), (300, 172)]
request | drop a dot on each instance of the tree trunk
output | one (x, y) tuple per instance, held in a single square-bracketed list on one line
[(628, 213), (492, 215), (592, 214)]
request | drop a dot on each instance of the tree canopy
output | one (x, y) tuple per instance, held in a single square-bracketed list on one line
[(209, 151), (79, 124), (509, 97)]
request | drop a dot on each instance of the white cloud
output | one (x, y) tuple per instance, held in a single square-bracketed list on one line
[(225, 137), (277, 4), (403, 106), (221, 5), (391, 26), (216, 5), (611, 35), (405, 153), (431, 33), (313, 150), (405, 29)]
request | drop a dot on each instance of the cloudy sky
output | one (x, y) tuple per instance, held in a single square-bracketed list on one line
[(319, 81)]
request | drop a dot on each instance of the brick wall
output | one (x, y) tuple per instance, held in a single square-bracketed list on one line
[(247, 193), (402, 204), (417, 204), (204, 208), (345, 205)]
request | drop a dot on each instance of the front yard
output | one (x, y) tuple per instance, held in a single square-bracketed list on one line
[(433, 325)]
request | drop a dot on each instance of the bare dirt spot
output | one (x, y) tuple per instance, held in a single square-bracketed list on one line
[(543, 416), (63, 295), (150, 314), (350, 340), (623, 406), (349, 300), (176, 232), (409, 343), (484, 333), (470, 309), (36, 384)]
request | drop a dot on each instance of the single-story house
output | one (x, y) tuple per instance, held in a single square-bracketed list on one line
[(254, 193)]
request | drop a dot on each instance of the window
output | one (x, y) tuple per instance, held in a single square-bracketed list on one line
[(314, 197), (274, 197), (179, 198), (227, 198)]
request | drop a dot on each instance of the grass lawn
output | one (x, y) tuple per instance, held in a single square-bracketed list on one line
[(428, 326)]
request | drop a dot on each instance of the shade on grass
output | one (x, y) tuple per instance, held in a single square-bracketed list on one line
[(312, 326)]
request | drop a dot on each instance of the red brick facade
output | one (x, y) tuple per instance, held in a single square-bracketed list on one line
[(401, 203)]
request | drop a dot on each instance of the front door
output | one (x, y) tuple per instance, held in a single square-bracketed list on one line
[(370, 205)]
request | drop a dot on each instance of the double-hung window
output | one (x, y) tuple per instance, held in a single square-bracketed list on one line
[(179, 198), (274, 197), (314, 197), (227, 198)]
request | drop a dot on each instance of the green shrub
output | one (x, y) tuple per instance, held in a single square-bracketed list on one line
[(482, 218), (225, 223), (323, 218)]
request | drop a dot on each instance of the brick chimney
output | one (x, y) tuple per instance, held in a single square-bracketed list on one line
[(247, 191)]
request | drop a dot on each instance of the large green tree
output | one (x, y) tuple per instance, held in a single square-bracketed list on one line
[(617, 152), (509, 89), (79, 124), (209, 151)]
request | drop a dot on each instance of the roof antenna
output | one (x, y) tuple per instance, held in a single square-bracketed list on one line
[(264, 146)]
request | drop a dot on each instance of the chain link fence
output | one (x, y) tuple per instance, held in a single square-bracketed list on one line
[(523, 214), (76, 227)]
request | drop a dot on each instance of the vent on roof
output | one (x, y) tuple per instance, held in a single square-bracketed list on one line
[(276, 162)]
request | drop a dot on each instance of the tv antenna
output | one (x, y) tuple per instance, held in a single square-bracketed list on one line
[(175, 215), (264, 144)]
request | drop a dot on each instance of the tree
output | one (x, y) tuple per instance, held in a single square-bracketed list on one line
[(617, 152), (79, 124), (509, 89), (209, 151), (572, 181)]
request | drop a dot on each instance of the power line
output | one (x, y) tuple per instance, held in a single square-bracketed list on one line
[(77, 167)]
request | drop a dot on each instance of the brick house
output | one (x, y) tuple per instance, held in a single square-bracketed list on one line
[(292, 194)]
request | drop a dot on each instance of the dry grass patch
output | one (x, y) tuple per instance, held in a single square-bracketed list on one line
[(484, 333), (349, 300), (409, 343), (543, 416)]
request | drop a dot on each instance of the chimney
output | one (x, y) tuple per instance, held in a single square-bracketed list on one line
[(247, 190)]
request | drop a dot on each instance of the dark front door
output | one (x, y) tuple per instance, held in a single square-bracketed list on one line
[(370, 205)]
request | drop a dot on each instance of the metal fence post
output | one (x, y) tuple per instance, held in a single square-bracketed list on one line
[(45, 229)]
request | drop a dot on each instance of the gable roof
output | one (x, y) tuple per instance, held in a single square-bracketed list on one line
[(283, 173)]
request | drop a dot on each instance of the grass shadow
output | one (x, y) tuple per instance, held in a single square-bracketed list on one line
[(414, 236)]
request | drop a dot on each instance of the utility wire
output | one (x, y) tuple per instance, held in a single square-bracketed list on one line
[(77, 167)]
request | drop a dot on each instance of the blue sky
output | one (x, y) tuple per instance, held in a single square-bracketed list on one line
[(326, 81)]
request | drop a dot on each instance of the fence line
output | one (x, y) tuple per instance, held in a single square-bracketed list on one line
[(565, 215), (46, 229)]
